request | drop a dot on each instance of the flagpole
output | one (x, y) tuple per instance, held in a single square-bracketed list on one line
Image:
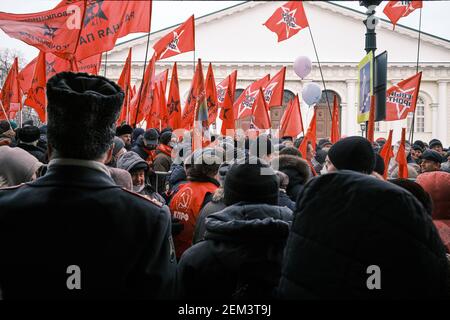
[(320, 69), (411, 132), (3, 109), (145, 65), (106, 63)]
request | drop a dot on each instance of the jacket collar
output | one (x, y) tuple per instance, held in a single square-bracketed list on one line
[(74, 172)]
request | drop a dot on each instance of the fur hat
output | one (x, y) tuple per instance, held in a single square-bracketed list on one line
[(28, 134), (82, 112), (124, 129)]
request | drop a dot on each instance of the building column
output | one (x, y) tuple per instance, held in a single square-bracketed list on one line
[(343, 120), (443, 119), (351, 126), (434, 120)]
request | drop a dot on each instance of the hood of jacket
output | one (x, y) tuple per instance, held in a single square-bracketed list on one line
[(251, 233), (17, 165), (129, 160)]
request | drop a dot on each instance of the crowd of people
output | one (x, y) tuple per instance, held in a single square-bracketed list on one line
[(143, 215)]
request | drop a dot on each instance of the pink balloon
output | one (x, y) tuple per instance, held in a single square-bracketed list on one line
[(302, 66)]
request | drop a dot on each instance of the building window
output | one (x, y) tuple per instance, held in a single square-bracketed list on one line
[(237, 93), (287, 95), (419, 121), (377, 127)]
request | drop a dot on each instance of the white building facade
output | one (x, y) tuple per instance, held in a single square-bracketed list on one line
[(234, 38)]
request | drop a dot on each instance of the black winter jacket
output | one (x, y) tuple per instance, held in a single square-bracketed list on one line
[(241, 255), (37, 152), (346, 226), (78, 216)]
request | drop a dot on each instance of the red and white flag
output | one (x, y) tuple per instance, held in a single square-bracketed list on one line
[(395, 10), (244, 104), (273, 91), (402, 98), (287, 20), (223, 86), (180, 40)]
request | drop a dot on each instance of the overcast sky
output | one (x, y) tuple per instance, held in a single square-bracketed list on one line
[(167, 13)]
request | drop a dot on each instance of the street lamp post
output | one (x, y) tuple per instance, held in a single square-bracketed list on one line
[(371, 36)]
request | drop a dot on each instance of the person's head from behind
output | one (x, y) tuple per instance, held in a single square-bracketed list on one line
[(82, 111), (418, 191), (204, 164), (352, 153), (29, 135), (251, 180), (292, 151), (17, 166), (431, 161), (262, 148)]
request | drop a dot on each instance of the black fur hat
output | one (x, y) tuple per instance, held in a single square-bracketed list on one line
[(82, 112)]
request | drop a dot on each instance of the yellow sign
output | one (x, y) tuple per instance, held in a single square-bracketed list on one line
[(365, 81)]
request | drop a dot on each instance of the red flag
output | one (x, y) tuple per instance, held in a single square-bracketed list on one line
[(371, 123), (36, 97), (11, 96), (163, 114), (274, 90), (196, 92), (200, 133), (226, 112), (152, 117), (309, 137), (386, 153), (260, 112), (395, 10), (55, 65), (125, 83), (211, 95), (106, 21), (291, 122), (244, 104), (180, 40), (401, 158), (162, 78), (173, 101), (142, 101), (54, 30), (222, 89), (287, 20), (402, 97), (335, 136)]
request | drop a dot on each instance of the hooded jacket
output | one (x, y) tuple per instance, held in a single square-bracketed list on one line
[(298, 171), (17, 166), (347, 226), (241, 255), (36, 152)]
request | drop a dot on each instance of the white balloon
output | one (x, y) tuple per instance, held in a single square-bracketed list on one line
[(302, 66), (311, 93)]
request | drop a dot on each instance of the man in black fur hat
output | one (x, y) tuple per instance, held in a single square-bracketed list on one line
[(124, 132), (74, 233), (28, 140)]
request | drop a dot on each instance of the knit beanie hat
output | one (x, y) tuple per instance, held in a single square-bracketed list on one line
[(246, 181), (353, 153)]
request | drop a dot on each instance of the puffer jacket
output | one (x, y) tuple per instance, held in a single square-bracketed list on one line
[(348, 225), (241, 255)]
